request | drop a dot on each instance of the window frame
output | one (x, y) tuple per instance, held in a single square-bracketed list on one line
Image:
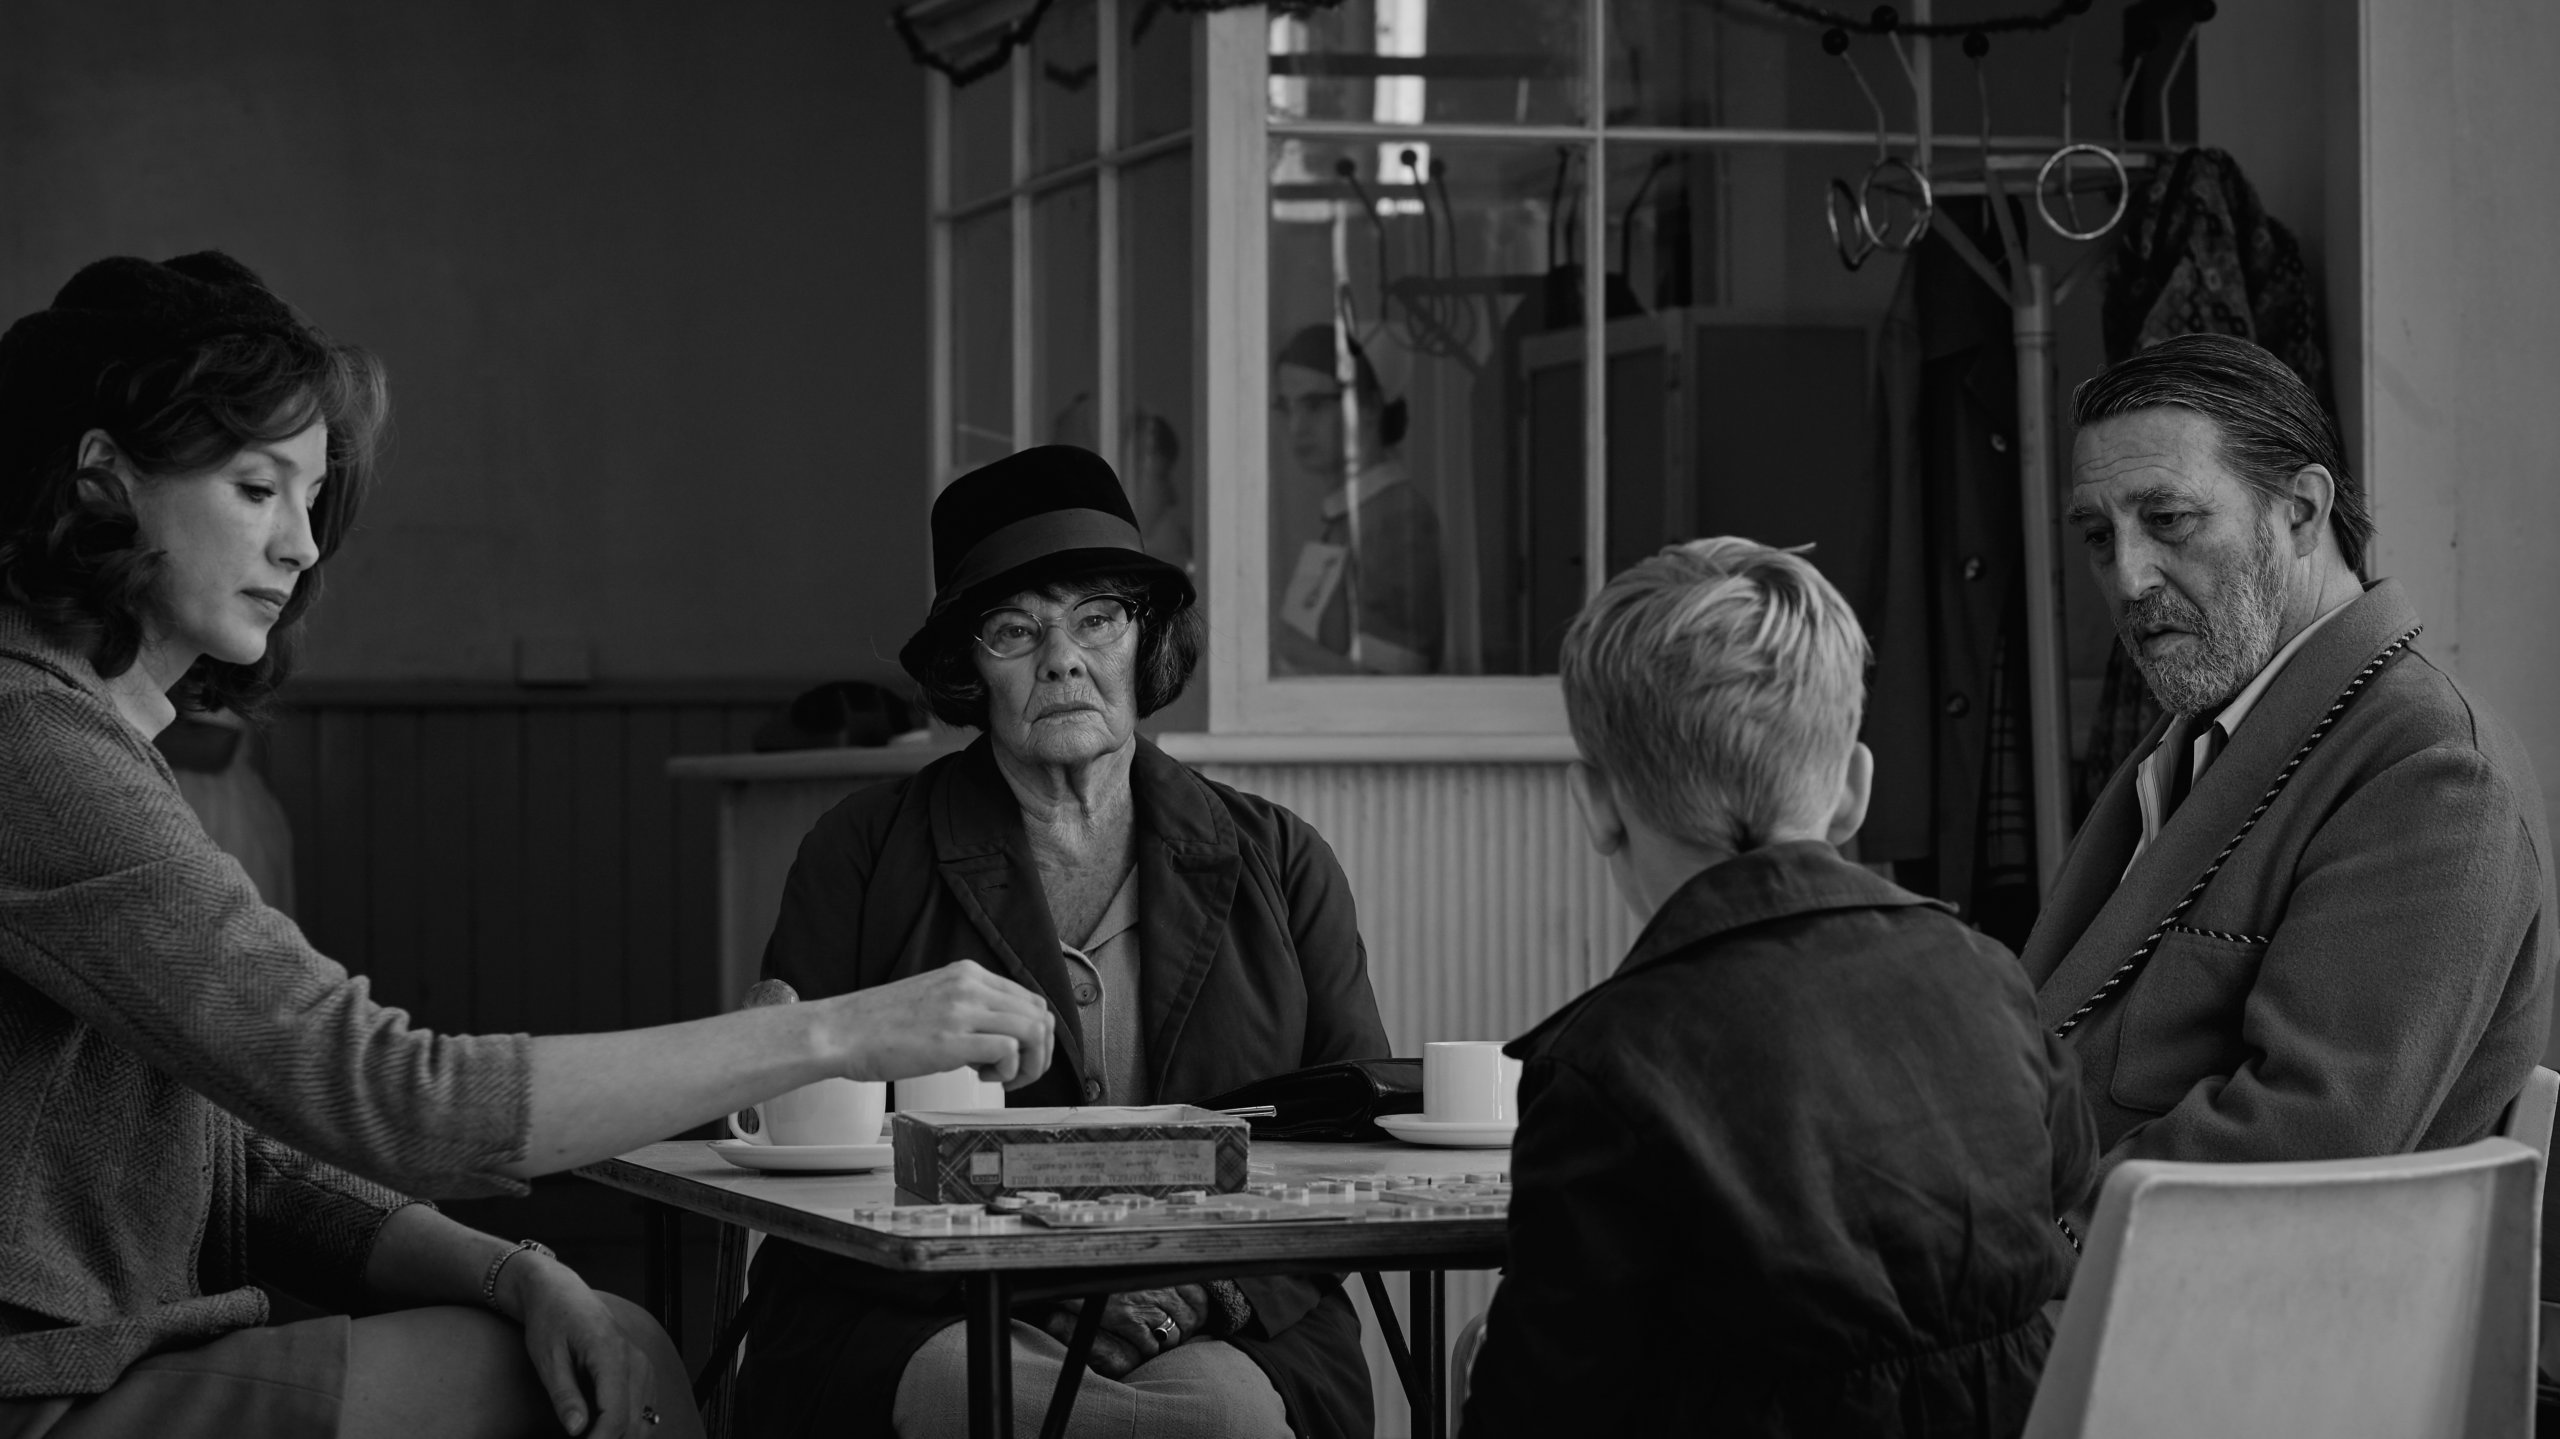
[(1018, 199), (1229, 139)]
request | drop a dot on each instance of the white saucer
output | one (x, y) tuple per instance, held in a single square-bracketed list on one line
[(1448, 1133), (803, 1158)]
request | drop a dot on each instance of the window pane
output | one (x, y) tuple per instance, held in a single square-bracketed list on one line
[(981, 137), (1408, 61), (1680, 62), (982, 340), (1742, 377), (1155, 73), (1065, 300), (1066, 86), (1676, 62), (1158, 442), (1426, 435)]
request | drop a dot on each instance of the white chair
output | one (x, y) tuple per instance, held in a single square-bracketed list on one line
[(1462, 1361), (2528, 1122), (2365, 1297)]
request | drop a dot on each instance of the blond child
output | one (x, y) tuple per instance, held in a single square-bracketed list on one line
[(1793, 1169)]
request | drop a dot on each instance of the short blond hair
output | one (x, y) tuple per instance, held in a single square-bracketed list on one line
[(1719, 686)]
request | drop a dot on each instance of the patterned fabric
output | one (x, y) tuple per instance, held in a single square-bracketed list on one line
[(2198, 255), (976, 1159), (173, 1054)]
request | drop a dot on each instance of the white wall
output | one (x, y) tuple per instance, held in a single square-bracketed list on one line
[(2461, 118)]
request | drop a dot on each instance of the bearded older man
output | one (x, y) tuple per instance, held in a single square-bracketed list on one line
[(2311, 918)]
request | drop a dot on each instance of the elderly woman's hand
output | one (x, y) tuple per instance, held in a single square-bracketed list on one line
[(1136, 1326), (945, 1018)]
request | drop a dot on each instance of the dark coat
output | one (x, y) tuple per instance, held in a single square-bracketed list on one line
[(2371, 970), (1792, 1170), (1251, 966)]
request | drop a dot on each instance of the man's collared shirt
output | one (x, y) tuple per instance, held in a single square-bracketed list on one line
[(2152, 781)]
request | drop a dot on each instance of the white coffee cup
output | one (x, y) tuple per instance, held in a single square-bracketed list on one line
[(831, 1111), (951, 1089), (1470, 1081)]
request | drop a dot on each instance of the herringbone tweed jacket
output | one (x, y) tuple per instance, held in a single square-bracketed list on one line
[(184, 1082)]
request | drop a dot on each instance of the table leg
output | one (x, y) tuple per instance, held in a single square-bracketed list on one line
[(1062, 1400), (714, 1393), (663, 1272), (1428, 1298), (990, 1308), (1393, 1333)]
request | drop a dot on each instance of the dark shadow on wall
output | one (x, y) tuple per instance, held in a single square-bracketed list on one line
[(649, 281)]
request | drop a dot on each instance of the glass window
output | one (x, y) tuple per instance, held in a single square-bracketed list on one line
[(1066, 319), (1066, 87), (1679, 63), (1155, 74), (981, 138), (1426, 467), (1740, 373), (1159, 442), (982, 339), (1410, 62)]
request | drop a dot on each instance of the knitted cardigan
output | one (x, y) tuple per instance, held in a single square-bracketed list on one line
[(185, 1084)]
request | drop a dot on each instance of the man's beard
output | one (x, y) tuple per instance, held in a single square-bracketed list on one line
[(2233, 637)]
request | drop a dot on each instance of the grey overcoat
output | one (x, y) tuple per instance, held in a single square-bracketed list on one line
[(2371, 971)]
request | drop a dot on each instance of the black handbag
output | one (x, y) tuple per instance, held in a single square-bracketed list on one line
[(1339, 1102)]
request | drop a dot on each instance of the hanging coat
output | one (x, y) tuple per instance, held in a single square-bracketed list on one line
[(1948, 441)]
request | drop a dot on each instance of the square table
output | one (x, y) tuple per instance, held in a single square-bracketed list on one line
[(999, 1270)]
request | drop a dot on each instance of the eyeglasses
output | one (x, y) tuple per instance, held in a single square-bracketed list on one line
[(1097, 623)]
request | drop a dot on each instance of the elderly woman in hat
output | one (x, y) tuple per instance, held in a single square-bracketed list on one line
[(191, 1098), (1193, 939)]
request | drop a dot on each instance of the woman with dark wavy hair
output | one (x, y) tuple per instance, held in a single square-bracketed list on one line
[(192, 1098), (1195, 938)]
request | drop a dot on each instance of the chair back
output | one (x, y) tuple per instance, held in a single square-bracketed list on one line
[(2528, 1122), (2528, 1117), (2381, 1297)]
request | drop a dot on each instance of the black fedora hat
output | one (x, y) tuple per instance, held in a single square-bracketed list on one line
[(1032, 518)]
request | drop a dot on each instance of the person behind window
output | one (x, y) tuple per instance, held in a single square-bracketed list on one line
[(1159, 490), (1194, 938), (191, 1097), (1364, 596), (1794, 1168)]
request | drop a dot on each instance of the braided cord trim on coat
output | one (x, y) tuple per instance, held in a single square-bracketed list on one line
[(2124, 975), (2221, 934)]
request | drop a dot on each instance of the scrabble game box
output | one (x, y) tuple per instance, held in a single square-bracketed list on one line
[(972, 1156)]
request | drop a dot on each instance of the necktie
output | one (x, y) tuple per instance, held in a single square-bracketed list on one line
[(2182, 769)]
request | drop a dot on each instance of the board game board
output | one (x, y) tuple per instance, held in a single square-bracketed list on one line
[(1346, 1199)]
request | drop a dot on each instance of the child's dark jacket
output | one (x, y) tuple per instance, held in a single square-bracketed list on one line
[(1792, 1170)]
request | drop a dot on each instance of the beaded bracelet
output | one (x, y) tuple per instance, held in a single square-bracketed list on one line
[(489, 1281)]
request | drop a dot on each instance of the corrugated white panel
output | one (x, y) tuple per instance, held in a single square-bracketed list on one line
[(1482, 904), (1483, 908)]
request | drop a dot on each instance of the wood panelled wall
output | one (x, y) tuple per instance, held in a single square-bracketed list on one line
[(497, 861), (500, 860)]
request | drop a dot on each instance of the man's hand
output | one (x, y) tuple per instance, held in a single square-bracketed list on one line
[(1134, 1326), (956, 1015)]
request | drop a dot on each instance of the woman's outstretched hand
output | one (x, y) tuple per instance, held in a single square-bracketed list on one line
[(957, 1015)]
